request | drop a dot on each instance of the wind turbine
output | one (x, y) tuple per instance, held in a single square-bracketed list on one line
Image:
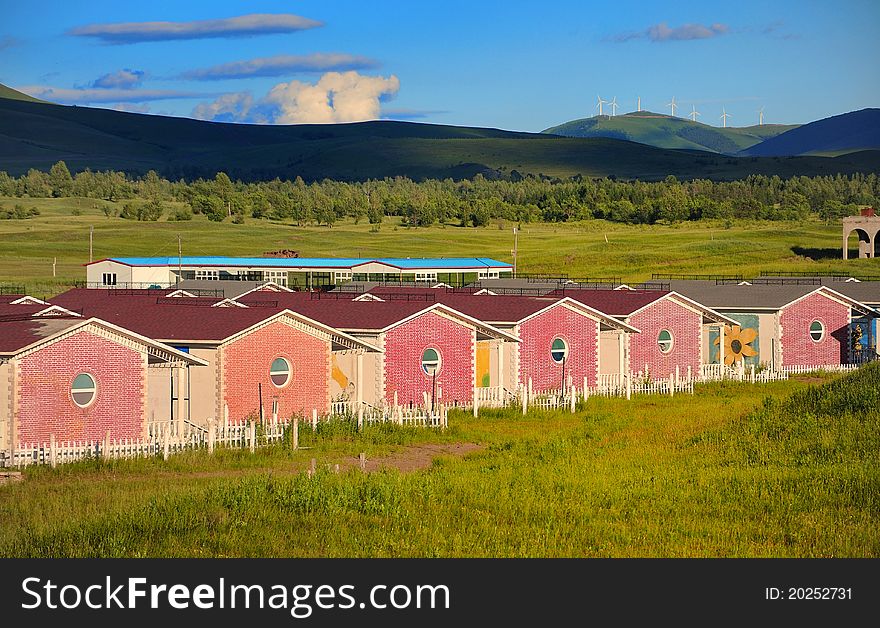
[(693, 114), (672, 105), (761, 116), (599, 103), (613, 106), (724, 116), (639, 105)]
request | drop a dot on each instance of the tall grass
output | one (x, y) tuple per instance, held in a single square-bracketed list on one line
[(715, 474)]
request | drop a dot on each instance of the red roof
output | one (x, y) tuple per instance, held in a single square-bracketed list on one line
[(153, 316), (18, 334), (337, 309), (614, 302)]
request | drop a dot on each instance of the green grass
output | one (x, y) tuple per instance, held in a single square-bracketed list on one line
[(719, 473), (663, 131), (578, 249)]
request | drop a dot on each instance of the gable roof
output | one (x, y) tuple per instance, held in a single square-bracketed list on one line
[(341, 311), (17, 337), (189, 319)]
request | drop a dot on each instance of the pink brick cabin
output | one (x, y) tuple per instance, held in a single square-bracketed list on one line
[(799, 326), (251, 353), (426, 345), (671, 329), (559, 336), (75, 378)]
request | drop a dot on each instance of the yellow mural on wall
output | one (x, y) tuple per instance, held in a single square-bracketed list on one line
[(336, 373), (482, 377), (738, 343)]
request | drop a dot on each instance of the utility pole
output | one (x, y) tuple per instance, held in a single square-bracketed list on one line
[(179, 260), (91, 238), (514, 251)]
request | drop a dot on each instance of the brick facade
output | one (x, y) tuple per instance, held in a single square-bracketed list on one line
[(404, 346), (45, 406), (581, 335), (686, 327), (798, 348), (246, 362)]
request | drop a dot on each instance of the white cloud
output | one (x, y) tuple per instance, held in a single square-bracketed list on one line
[(233, 107), (240, 26), (123, 79), (336, 97), (662, 32), (98, 95), (281, 64)]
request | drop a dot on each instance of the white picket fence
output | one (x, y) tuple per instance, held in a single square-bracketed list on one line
[(170, 437)]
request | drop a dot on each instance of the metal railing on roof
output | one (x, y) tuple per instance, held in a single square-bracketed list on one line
[(695, 277), (786, 281), (654, 285)]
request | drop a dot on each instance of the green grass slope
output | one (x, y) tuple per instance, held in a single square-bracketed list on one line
[(662, 131), (36, 135), (837, 135), (12, 94)]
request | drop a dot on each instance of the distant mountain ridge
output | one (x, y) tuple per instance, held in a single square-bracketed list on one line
[(848, 132), (36, 135), (663, 131)]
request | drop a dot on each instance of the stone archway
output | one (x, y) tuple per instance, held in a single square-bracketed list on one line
[(868, 229)]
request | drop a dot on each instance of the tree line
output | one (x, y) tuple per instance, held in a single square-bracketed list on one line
[(471, 202)]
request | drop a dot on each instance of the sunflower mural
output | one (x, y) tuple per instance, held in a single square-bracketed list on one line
[(740, 341)]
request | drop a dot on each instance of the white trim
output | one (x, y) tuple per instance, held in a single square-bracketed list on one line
[(180, 293), (834, 295), (228, 303), (368, 296), (583, 309), (28, 300)]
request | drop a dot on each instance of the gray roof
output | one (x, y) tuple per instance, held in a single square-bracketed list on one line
[(731, 297), (224, 289)]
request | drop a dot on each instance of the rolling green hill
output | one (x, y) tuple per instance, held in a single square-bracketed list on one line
[(662, 131), (837, 135), (36, 135)]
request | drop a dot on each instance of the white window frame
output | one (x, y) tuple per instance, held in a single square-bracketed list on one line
[(437, 366), (206, 274), (821, 332), (108, 279), (273, 372), (564, 349), (92, 389), (671, 341)]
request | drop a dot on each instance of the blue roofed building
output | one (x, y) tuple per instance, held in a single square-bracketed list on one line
[(293, 272)]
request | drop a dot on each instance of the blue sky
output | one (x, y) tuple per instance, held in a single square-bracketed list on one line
[(512, 65)]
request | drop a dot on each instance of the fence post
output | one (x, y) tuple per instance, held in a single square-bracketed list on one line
[(572, 398), (689, 373), (677, 375), (105, 449), (315, 420), (628, 378), (585, 388), (360, 418), (167, 435), (752, 375), (476, 404), (252, 435), (672, 382), (312, 467), (525, 398), (212, 435), (295, 437), (225, 417), (530, 389), (52, 451), (444, 416), (362, 459)]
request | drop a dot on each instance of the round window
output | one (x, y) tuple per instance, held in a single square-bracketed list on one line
[(431, 362), (279, 372), (83, 390), (558, 350), (665, 341), (817, 331)]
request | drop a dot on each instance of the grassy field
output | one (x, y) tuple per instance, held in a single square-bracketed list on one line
[(720, 473), (578, 249)]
